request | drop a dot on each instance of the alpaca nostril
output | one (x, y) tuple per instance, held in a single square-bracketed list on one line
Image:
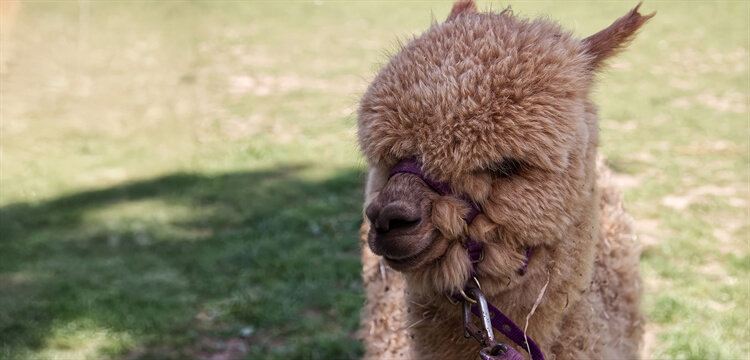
[(400, 223), (372, 212), (399, 229), (397, 215)]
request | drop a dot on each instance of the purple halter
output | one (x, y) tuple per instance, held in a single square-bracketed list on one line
[(474, 248)]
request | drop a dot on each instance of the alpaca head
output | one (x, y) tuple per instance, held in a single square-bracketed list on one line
[(497, 107)]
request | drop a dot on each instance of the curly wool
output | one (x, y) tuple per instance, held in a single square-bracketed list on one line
[(465, 98)]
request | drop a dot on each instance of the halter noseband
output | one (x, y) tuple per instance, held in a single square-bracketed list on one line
[(478, 306)]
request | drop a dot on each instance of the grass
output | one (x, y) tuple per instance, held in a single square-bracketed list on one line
[(181, 179)]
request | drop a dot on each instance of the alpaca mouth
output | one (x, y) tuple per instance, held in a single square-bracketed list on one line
[(403, 264), (428, 252)]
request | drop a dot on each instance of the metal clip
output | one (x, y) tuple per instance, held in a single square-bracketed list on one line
[(484, 336), (500, 351), (481, 257), (478, 286), (491, 350)]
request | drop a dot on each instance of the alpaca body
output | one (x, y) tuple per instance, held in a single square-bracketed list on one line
[(496, 109)]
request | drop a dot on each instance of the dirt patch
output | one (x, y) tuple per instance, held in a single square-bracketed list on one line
[(625, 181), (694, 195), (716, 147), (648, 232), (230, 349), (265, 85), (649, 341)]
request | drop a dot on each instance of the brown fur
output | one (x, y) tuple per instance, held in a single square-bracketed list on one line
[(462, 7), (467, 98), (616, 37)]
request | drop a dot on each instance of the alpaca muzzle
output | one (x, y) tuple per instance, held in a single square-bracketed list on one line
[(401, 227)]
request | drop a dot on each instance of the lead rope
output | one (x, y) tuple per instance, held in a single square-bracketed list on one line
[(471, 296)]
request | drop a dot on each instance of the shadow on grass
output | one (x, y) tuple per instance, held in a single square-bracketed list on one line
[(171, 266)]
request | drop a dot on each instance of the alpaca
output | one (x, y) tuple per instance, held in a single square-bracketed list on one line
[(490, 116)]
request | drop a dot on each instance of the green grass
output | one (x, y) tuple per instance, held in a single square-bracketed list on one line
[(176, 175)]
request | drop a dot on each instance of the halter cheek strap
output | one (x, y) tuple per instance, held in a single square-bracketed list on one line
[(412, 166), (473, 247), (475, 251)]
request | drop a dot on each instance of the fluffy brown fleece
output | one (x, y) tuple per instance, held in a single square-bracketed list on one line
[(471, 98)]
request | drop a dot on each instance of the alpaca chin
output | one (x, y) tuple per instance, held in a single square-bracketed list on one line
[(446, 276)]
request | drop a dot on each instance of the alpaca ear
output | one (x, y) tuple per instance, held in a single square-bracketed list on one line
[(462, 7), (610, 41)]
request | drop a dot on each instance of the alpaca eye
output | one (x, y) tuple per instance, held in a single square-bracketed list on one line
[(506, 168)]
